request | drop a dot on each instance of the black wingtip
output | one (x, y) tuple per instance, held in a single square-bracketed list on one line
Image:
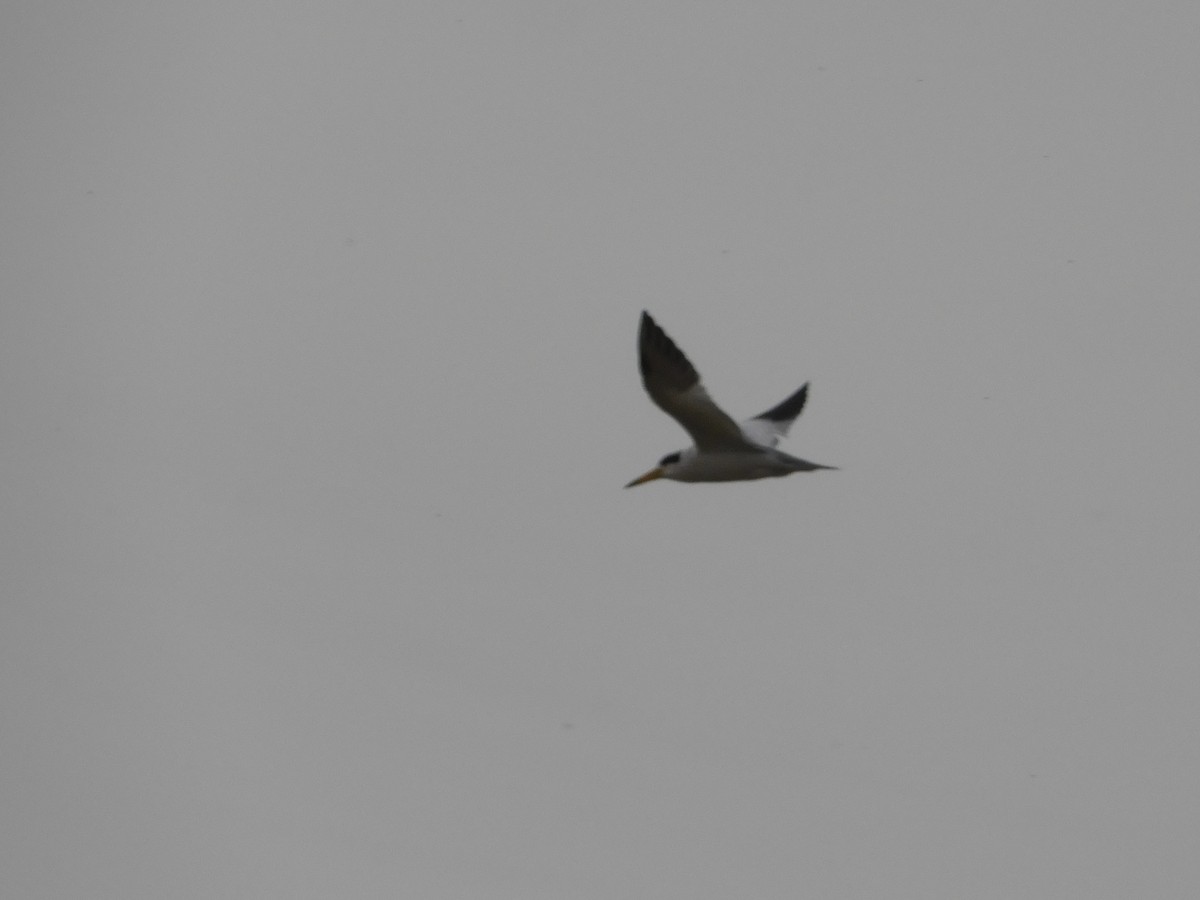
[(647, 325), (652, 339), (789, 409)]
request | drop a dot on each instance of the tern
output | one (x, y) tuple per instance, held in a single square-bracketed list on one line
[(724, 450)]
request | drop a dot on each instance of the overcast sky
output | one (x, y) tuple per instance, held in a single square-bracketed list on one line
[(319, 390)]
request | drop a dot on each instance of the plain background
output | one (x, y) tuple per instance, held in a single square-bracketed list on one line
[(319, 390)]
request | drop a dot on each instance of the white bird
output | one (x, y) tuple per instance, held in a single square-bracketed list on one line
[(724, 450)]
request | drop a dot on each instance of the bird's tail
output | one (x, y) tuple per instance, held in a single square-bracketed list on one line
[(803, 465)]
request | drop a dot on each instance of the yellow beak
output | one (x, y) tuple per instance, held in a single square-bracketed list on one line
[(654, 473)]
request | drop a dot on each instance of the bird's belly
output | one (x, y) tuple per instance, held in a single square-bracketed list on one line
[(732, 467)]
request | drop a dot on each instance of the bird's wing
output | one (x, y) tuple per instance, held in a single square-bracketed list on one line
[(767, 428), (674, 385)]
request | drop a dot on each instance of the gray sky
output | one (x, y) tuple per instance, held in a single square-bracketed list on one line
[(317, 360)]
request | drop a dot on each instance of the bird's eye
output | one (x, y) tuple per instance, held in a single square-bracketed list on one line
[(669, 459)]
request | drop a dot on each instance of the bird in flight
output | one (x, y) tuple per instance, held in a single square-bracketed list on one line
[(724, 450)]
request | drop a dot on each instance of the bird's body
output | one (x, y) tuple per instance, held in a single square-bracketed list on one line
[(724, 450)]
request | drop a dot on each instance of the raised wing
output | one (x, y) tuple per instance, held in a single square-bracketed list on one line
[(767, 428), (674, 385)]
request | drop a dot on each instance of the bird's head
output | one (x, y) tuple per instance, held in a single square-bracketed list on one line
[(666, 468)]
